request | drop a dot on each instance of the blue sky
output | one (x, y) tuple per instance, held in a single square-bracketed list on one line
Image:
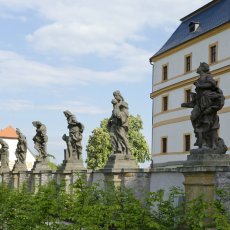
[(72, 54)]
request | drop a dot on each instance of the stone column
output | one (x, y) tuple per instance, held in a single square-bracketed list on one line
[(22, 179), (45, 177), (36, 182), (113, 179), (15, 180), (7, 178), (68, 182)]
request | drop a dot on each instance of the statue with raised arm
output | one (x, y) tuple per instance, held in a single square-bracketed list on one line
[(207, 100), (118, 125), (40, 139), (21, 148), (73, 140), (4, 154)]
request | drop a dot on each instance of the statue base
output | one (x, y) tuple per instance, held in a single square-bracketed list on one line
[(41, 165), (207, 157), (121, 161), (72, 165), (4, 169), (19, 167), (201, 172)]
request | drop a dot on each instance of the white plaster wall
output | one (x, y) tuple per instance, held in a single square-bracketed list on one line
[(165, 181), (200, 53), (169, 158), (174, 132)]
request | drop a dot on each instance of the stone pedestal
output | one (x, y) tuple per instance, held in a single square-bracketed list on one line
[(121, 161), (199, 183), (207, 157), (41, 166), (72, 165), (200, 172), (19, 167)]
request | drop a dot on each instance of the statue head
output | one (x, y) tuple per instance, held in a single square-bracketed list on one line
[(37, 124), (67, 113), (203, 68), (18, 131), (117, 95)]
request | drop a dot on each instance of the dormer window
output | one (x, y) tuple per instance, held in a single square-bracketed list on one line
[(193, 26)]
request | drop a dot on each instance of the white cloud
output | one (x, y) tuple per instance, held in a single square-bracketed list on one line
[(16, 105), (98, 27), (17, 71), (74, 106)]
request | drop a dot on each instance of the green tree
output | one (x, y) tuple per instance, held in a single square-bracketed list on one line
[(99, 145)]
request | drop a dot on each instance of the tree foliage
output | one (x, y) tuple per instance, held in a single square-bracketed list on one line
[(91, 208), (99, 145)]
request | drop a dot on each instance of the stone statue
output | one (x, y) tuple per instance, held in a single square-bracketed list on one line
[(73, 141), (21, 148), (206, 101), (4, 154), (118, 125), (40, 139)]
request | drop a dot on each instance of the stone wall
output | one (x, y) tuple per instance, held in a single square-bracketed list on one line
[(194, 180)]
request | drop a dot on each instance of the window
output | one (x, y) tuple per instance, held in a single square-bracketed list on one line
[(187, 142), (165, 103), (213, 53), (187, 96), (165, 72), (164, 141), (193, 26), (188, 63)]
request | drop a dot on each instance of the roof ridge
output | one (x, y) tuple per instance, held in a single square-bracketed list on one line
[(8, 132)]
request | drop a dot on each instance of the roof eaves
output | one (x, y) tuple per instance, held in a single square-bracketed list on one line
[(160, 53)]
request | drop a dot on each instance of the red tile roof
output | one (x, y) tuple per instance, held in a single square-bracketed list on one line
[(8, 132)]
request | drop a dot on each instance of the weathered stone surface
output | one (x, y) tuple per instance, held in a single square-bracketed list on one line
[(223, 183), (4, 156), (72, 165), (20, 153), (121, 161), (118, 125), (19, 167), (41, 165), (74, 139), (40, 140), (199, 183), (207, 157)]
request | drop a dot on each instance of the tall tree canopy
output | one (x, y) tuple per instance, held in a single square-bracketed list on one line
[(99, 145)]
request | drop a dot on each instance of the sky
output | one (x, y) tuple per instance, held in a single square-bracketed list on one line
[(58, 55)]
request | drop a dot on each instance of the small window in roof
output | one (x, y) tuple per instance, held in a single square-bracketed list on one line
[(193, 26)]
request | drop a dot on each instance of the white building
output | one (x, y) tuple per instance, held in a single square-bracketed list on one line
[(203, 36), (10, 136)]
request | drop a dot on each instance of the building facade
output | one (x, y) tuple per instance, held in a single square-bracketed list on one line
[(10, 136), (202, 36)]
